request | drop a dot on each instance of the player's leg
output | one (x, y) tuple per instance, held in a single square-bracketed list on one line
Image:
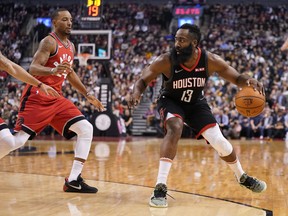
[(173, 124), (8, 142), (226, 152), (84, 131), (69, 121)]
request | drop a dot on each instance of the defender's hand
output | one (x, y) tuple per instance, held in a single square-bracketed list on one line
[(63, 68), (48, 90), (93, 100), (134, 101)]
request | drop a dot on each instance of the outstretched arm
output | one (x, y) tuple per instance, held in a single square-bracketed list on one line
[(217, 64), (19, 73), (151, 72), (79, 86)]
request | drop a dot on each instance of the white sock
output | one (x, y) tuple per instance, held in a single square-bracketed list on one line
[(236, 168), (76, 170), (164, 169)]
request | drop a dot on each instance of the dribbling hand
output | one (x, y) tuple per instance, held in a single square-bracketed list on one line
[(256, 85)]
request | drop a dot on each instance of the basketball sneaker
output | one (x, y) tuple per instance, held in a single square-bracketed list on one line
[(158, 198), (252, 183), (78, 186)]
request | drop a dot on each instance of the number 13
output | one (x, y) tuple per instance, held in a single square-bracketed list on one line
[(187, 95)]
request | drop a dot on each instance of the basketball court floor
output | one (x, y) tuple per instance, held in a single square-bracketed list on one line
[(125, 171)]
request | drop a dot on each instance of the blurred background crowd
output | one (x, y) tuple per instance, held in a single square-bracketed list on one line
[(247, 36)]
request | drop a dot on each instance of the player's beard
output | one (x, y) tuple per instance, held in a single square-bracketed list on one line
[(183, 55)]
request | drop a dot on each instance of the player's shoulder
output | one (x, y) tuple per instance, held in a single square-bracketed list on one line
[(48, 42), (163, 59)]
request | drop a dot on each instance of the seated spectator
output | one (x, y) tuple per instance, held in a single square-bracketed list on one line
[(223, 121), (246, 127), (150, 115), (266, 128), (279, 124), (234, 126), (256, 123), (128, 120)]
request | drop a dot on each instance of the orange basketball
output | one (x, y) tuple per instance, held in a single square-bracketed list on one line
[(249, 102)]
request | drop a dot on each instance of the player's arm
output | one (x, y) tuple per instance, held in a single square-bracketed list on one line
[(47, 46), (285, 45), (217, 64), (79, 86), (19, 73), (149, 73)]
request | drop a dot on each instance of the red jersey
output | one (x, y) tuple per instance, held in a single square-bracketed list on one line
[(2, 125), (64, 53)]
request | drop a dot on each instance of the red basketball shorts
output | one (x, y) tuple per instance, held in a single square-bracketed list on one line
[(38, 110)]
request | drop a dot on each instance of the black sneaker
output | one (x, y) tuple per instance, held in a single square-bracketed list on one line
[(78, 186), (252, 183), (158, 198)]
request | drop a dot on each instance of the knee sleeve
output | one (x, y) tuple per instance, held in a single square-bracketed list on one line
[(7, 142), (84, 131), (218, 141), (20, 139)]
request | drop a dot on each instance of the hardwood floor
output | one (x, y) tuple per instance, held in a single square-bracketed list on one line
[(125, 172)]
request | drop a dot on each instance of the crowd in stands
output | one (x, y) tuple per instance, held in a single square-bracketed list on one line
[(249, 37)]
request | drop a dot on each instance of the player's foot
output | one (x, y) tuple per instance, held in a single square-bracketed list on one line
[(158, 198), (78, 186), (252, 183)]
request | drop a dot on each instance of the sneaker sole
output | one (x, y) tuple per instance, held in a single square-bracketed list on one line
[(157, 206)]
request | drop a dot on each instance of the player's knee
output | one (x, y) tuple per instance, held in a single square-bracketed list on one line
[(218, 141), (222, 145), (174, 127), (82, 128)]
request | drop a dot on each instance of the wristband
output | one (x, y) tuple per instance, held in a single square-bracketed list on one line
[(39, 85)]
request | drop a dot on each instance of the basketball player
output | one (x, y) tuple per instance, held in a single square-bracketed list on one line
[(185, 71), (52, 64), (7, 141)]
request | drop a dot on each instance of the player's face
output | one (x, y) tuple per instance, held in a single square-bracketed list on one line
[(63, 23), (183, 49)]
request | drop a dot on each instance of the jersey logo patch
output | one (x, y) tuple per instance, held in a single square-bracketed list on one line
[(199, 69)]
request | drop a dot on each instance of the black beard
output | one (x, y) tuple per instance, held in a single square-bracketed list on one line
[(183, 56)]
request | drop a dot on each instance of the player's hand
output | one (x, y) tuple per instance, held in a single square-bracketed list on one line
[(256, 85), (63, 69), (134, 101), (48, 90), (93, 100)]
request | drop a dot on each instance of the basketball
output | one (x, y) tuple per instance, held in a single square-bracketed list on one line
[(249, 102)]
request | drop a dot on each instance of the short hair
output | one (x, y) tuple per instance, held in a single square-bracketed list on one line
[(56, 13), (194, 30)]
